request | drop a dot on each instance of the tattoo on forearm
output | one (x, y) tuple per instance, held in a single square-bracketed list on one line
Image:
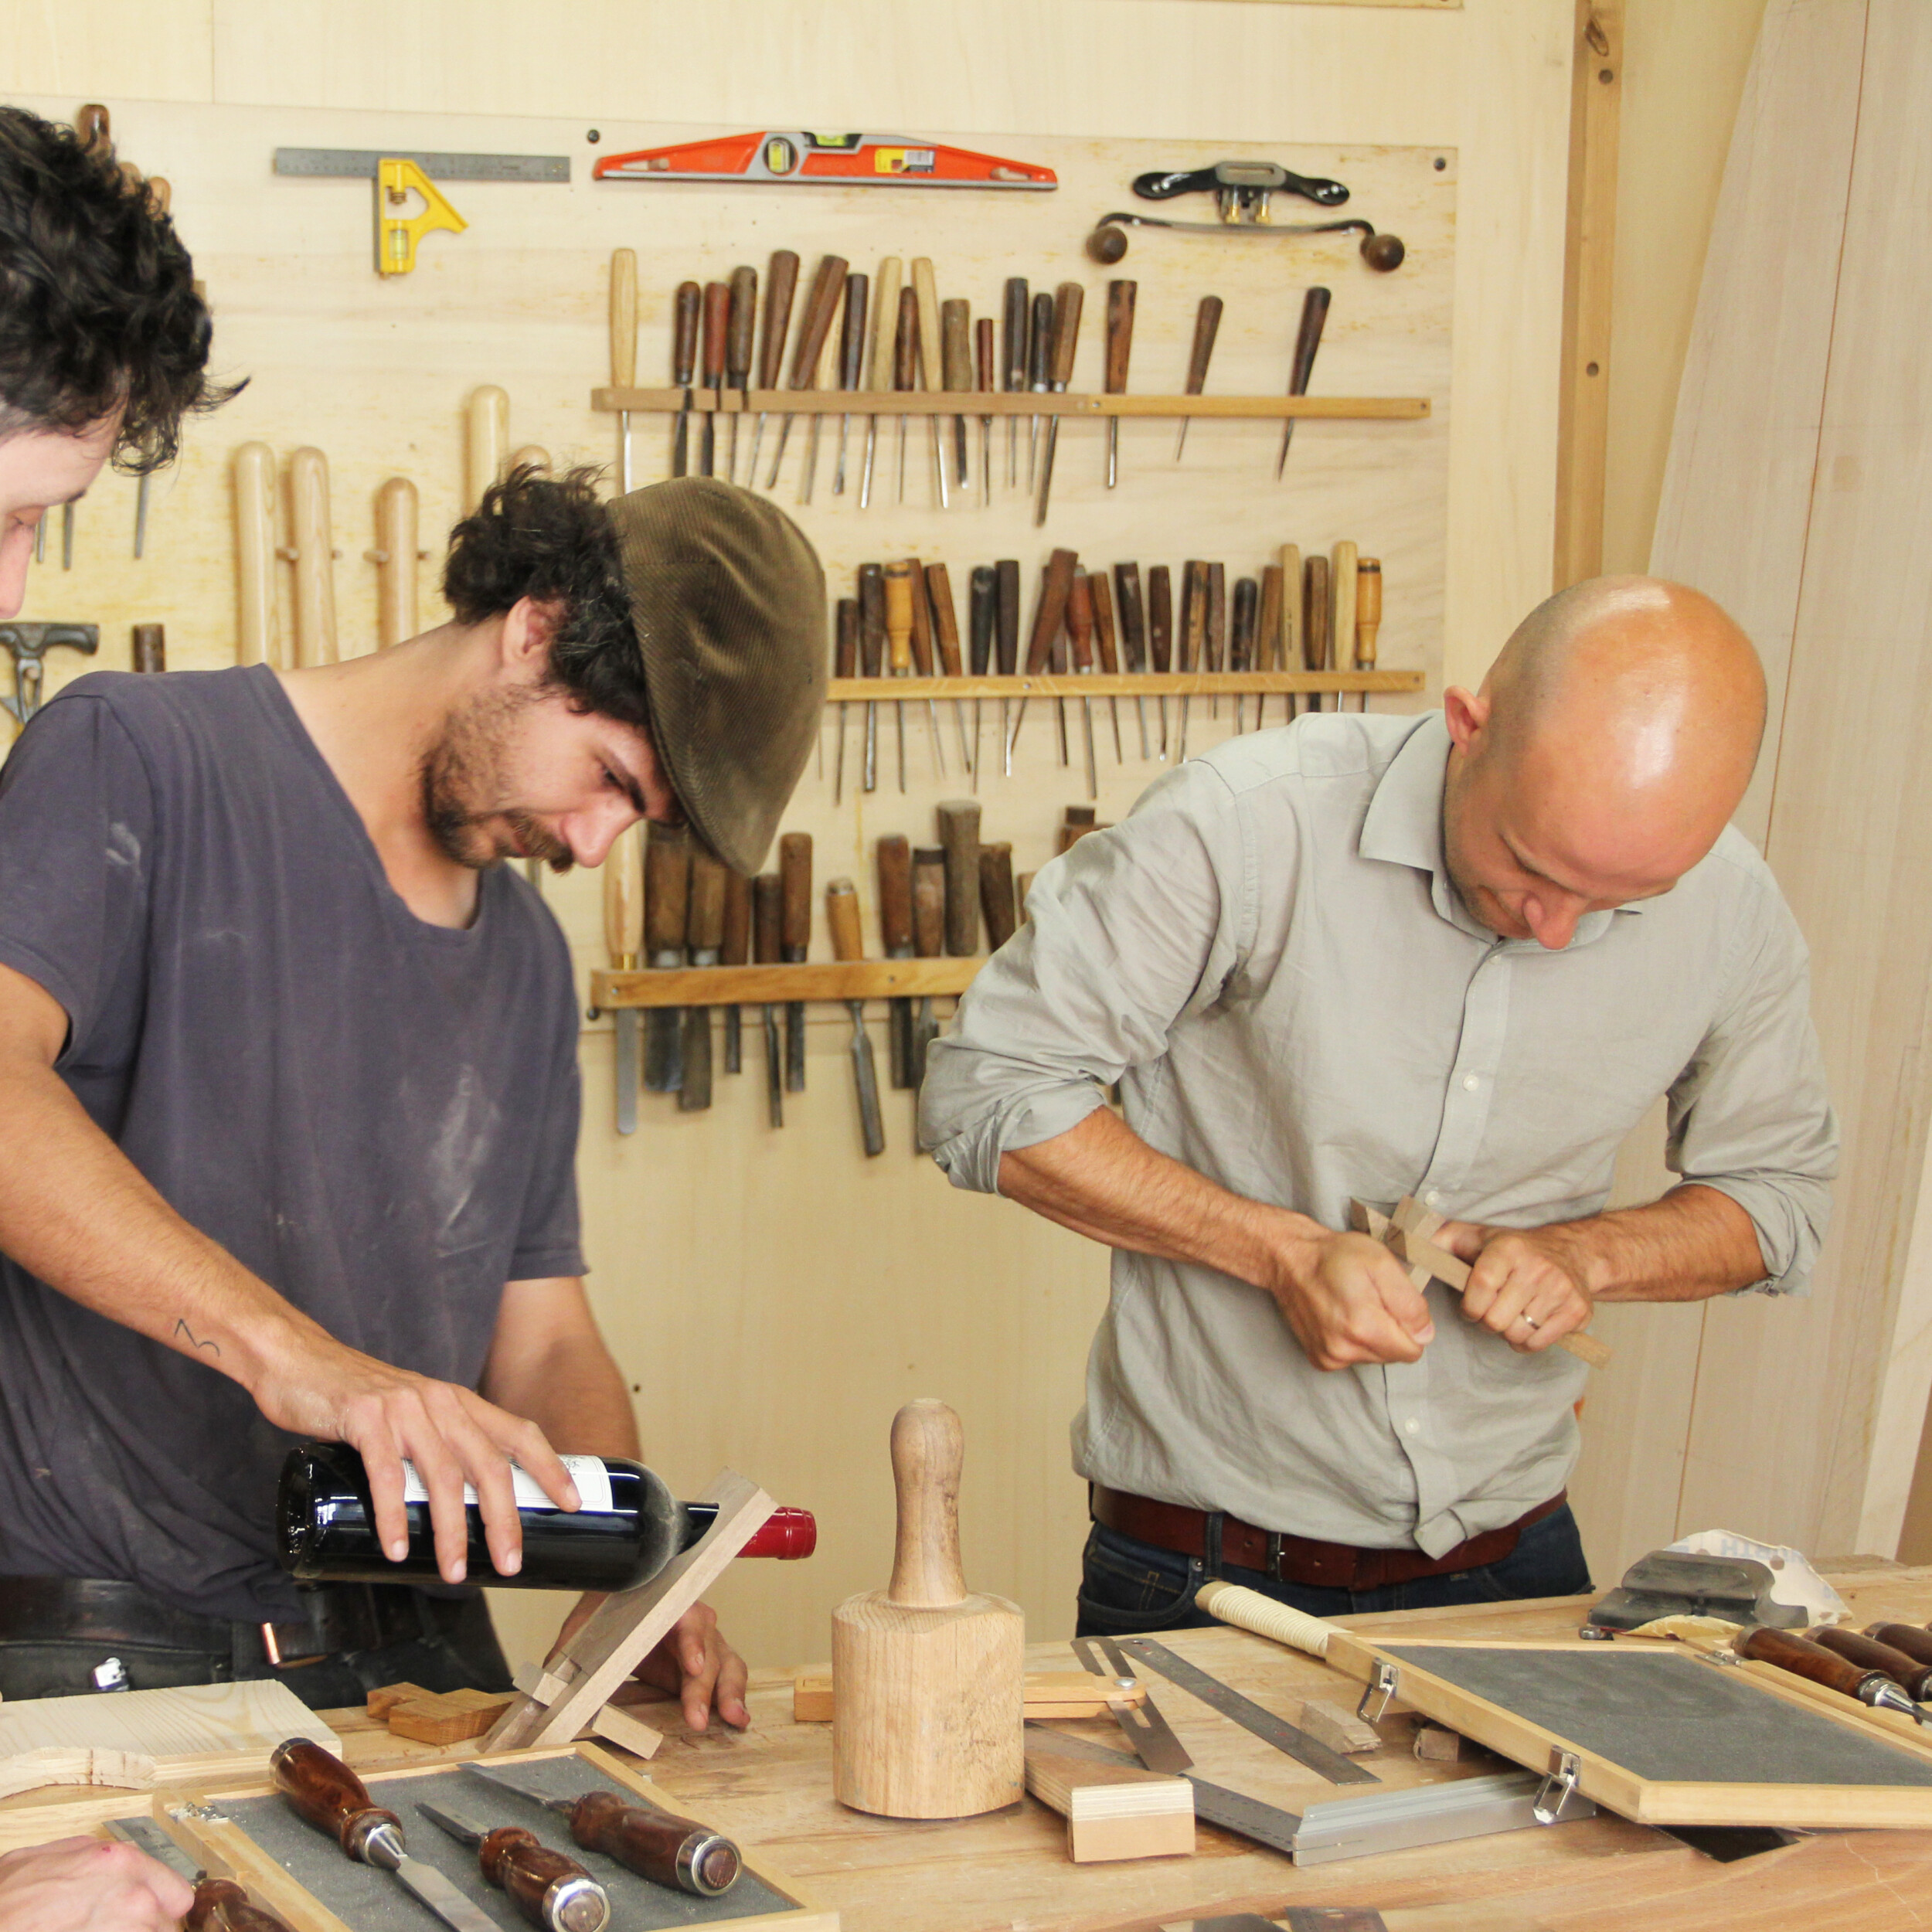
[(193, 1340)]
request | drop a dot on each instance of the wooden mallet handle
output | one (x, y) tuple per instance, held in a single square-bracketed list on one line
[(928, 1447)]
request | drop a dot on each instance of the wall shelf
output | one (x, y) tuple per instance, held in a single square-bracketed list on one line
[(759, 985), (806, 402)]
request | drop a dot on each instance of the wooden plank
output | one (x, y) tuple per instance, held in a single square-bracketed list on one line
[(1114, 1811), (1340, 1730), (616, 1725), (1329, 409)]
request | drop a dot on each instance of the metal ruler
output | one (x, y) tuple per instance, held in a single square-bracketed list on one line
[(1250, 1716), (1213, 1803), (1145, 1729), (361, 163)]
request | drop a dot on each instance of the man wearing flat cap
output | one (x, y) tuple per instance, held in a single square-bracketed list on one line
[(288, 1084)]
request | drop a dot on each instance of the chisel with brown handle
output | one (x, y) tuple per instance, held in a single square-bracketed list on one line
[(550, 1889), (704, 932), (624, 347), (795, 870), (852, 365), (1871, 1652), (149, 642), (1015, 344), (1107, 649), (1343, 576), (959, 837), (929, 941), (717, 329), (1247, 598), (1126, 590), (1006, 638), (1786, 1650), (220, 1904), (996, 902), (1193, 637), (1314, 622), (1214, 647), (1067, 301), (1267, 636), (1080, 635), (1368, 615), (932, 361), (740, 328), (1055, 581), (623, 939), (878, 374), (956, 361), (768, 948), (687, 321), (983, 381), (824, 378), (898, 586), (736, 951), (1293, 622), (1039, 375), (982, 614), (779, 284), (924, 661), (871, 658), (1308, 339), (667, 907), (945, 619), (1207, 325), (841, 915), (822, 308), (1120, 347), (1160, 632), (895, 859), (905, 367), (844, 664)]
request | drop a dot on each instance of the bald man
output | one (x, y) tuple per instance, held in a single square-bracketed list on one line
[(1457, 956)]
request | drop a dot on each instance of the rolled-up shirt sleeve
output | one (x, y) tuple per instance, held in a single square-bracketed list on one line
[(1125, 932), (1750, 1117)]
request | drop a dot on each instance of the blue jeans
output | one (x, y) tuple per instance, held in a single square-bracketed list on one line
[(1128, 1588)]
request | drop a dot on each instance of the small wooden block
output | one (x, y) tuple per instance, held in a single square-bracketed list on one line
[(384, 1700), (540, 1685), (1114, 1812), (1437, 1744), (615, 1726), (1340, 1730), (442, 1720), (1048, 1694)]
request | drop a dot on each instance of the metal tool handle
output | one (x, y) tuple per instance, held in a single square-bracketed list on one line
[(656, 1845), (1265, 176), (781, 283), (323, 1792)]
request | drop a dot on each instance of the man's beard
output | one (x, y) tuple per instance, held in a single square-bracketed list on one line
[(463, 770)]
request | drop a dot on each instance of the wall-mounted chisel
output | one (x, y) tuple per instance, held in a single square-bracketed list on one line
[(895, 859), (841, 915), (794, 871), (767, 949), (1067, 301), (779, 283), (878, 374), (704, 934), (667, 903), (687, 311)]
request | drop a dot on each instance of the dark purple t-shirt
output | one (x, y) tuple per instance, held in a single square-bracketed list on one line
[(379, 1117)]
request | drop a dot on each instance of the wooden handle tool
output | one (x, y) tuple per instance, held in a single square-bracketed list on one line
[(667, 915), (323, 1790), (1341, 614), (871, 657), (1315, 609), (222, 1905), (899, 638), (149, 646), (624, 348), (1160, 631), (658, 1846), (844, 664), (740, 328), (1107, 650), (1126, 590), (932, 363), (996, 894), (736, 951), (781, 280), (1872, 1653), (956, 360), (1006, 640), (929, 942), (687, 311), (768, 948), (1247, 598), (1308, 339), (814, 327), (1057, 582), (395, 557), (895, 859), (983, 373), (1120, 297), (982, 618), (851, 364), (906, 366), (959, 835), (924, 664), (1368, 614), (258, 639), (704, 937), (945, 623), (794, 871), (1914, 1640), (1192, 653), (1786, 1650), (1080, 635), (1040, 371), (717, 329), (1207, 325), (922, 1660), (550, 1889), (842, 916), (623, 940), (314, 558), (1067, 301), (879, 376), (1015, 341), (486, 446)]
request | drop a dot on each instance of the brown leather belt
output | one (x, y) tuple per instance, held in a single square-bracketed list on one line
[(1300, 1560), (341, 1616)]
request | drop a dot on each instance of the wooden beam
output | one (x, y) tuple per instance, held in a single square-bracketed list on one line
[(1583, 423)]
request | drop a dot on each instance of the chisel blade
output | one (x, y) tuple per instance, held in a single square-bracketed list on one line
[(865, 1071), (664, 1049), (628, 1057), (1142, 1725), (428, 1886)]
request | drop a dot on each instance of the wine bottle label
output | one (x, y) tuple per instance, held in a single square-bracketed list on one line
[(592, 1478)]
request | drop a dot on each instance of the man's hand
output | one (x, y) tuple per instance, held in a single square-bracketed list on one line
[(693, 1663), (1527, 1283), (1349, 1301), (90, 1885), (317, 1387)]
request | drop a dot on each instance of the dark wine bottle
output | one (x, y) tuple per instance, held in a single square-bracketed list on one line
[(629, 1527)]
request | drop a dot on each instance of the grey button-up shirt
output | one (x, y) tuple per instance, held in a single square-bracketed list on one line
[(1269, 955)]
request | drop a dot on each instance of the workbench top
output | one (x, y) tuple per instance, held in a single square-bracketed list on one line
[(771, 1788)]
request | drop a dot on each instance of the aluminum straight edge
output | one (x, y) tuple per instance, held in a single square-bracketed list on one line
[(353, 163), (1391, 1820)]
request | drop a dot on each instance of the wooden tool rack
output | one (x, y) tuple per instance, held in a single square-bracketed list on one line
[(760, 985), (827, 402)]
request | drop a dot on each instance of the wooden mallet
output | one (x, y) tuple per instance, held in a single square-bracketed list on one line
[(928, 1682)]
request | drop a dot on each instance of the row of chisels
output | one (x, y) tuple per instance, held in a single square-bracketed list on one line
[(889, 334), (1319, 613)]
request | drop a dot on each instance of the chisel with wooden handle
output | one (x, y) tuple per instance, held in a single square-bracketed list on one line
[(623, 939), (1160, 632), (736, 951), (905, 366), (1912, 1675), (321, 1791), (767, 949), (844, 664), (1247, 598), (959, 838), (550, 1889), (1016, 343), (624, 347), (1294, 632), (1120, 347), (1006, 638), (667, 904), (1107, 649), (939, 596), (1214, 651), (220, 1904), (996, 902), (923, 665), (896, 935), (794, 871), (898, 588), (717, 329), (1207, 325), (1080, 635), (879, 376), (956, 359), (871, 658), (1342, 575), (931, 362), (1368, 615), (1055, 581), (852, 365), (929, 942), (1315, 609), (1786, 1651), (822, 307), (739, 329), (982, 612), (841, 915), (1039, 375), (1126, 590), (1308, 339), (1267, 635), (704, 936), (1192, 642), (687, 321), (825, 377), (983, 381), (1067, 301), (780, 282)]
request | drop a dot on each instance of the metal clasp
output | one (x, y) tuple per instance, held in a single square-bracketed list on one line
[(1382, 1685), (1566, 1768)]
